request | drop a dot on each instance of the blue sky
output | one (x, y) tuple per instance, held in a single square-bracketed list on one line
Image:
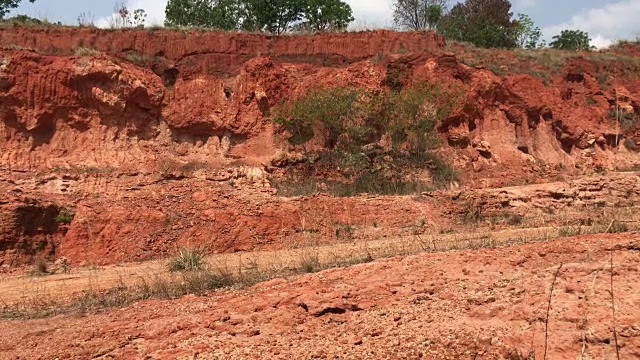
[(605, 21)]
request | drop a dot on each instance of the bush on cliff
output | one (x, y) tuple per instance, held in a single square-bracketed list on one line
[(352, 122)]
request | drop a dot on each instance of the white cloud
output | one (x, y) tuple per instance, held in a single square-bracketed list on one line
[(612, 21), (601, 42)]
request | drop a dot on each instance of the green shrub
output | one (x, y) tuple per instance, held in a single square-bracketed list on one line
[(410, 115), (350, 118), (628, 120), (333, 108), (65, 216)]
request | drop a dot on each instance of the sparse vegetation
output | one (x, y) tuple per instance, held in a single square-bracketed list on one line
[(166, 284), (65, 216), (124, 18), (187, 259), (630, 144), (86, 20), (139, 59), (310, 261), (83, 51), (569, 231), (351, 122), (618, 227), (40, 268), (628, 120), (515, 219)]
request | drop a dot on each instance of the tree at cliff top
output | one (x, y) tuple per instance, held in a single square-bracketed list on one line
[(418, 14), (326, 15), (484, 23), (7, 5), (575, 40), (272, 16), (527, 35), (216, 14)]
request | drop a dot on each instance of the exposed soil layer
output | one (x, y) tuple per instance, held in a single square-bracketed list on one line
[(142, 217), (149, 160), (484, 304), (522, 116)]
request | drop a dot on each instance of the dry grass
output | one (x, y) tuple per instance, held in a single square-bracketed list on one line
[(187, 260), (83, 291), (83, 51)]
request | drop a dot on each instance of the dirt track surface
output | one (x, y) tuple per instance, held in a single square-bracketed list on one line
[(483, 304)]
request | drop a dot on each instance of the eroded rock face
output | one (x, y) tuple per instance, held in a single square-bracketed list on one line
[(202, 95), (196, 109), (28, 228), (599, 192)]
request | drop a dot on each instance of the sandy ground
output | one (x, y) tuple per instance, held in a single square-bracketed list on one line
[(24, 288), (480, 304)]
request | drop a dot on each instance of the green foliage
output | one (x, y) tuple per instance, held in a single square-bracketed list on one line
[(351, 121), (418, 14), (484, 23), (326, 15), (215, 14), (65, 216), (330, 108), (576, 40), (7, 5), (360, 118), (272, 16), (527, 34), (25, 20)]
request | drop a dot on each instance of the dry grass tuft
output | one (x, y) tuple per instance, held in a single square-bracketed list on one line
[(187, 260)]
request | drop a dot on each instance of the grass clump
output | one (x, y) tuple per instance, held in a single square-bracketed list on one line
[(65, 216), (40, 268), (187, 259), (139, 59), (83, 51), (310, 262), (569, 231), (618, 227)]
